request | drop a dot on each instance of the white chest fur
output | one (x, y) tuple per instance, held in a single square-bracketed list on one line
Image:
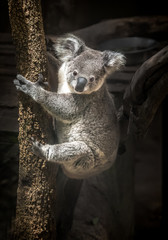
[(63, 86)]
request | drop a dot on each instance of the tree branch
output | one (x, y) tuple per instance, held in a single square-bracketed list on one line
[(147, 90)]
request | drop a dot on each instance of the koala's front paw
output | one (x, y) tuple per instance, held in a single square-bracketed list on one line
[(39, 149), (22, 84)]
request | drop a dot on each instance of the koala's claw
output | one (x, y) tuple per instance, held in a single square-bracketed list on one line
[(36, 145), (40, 77), (17, 84), (37, 149), (22, 84), (40, 81), (22, 79)]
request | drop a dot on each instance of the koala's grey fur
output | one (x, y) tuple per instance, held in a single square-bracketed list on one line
[(87, 127)]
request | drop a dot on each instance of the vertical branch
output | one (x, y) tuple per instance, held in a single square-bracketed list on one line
[(33, 212)]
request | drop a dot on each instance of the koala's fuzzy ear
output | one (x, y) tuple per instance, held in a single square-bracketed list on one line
[(113, 61), (66, 47)]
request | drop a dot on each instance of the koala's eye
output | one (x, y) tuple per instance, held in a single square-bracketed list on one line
[(75, 72), (91, 79)]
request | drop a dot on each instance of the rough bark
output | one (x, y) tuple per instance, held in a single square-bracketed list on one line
[(34, 219), (45, 196)]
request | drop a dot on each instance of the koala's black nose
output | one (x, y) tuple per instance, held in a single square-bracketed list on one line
[(81, 83)]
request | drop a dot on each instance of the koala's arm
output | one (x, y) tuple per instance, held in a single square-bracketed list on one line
[(61, 153), (62, 106), (76, 157)]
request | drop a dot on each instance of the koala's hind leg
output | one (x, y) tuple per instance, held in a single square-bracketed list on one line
[(69, 152)]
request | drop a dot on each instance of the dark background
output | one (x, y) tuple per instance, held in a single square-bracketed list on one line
[(68, 15)]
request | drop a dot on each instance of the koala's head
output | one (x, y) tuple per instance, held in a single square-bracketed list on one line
[(82, 68)]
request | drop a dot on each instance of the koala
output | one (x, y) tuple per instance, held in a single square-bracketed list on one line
[(86, 119)]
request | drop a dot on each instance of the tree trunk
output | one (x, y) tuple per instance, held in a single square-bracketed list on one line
[(46, 197), (34, 218)]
